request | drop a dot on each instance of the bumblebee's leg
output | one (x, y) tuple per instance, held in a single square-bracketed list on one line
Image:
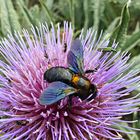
[(91, 71), (92, 96), (70, 102)]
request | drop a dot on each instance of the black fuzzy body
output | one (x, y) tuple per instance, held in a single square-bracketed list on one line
[(65, 75)]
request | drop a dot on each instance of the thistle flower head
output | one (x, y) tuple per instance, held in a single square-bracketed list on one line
[(28, 56)]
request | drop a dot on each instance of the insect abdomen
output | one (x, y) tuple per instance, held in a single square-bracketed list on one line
[(58, 74)]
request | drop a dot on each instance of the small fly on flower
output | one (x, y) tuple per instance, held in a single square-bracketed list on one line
[(65, 47), (63, 37), (21, 123), (68, 81)]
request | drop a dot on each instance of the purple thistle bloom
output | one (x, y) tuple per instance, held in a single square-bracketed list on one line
[(28, 56)]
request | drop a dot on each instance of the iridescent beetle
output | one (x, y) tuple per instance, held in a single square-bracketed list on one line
[(68, 81)]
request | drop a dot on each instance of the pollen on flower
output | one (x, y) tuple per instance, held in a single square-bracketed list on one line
[(22, 83)]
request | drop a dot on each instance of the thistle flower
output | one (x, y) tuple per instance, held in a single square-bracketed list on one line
[(28, 56)]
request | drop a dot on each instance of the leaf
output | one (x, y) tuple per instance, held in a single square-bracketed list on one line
[(9, 17), (48, 12), (132, 41), (109, 13), (72, 12), (136, 124), (98, 9), (135, 65), (131, 134), (49, 3), (123, 25), (86, 8), (135, 61), (137, 28), (25, 14), (119, 33), (112, 25), (63, 10), (5, 25), (34, 10)]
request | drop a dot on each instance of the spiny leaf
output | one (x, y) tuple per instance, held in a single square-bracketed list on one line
[(9, 18), (29, 16), (137, 28), (86, 8), (48, 12), (13, 17), (131, 133), (136, 124), (26, 16), (34, 10), (132, 41), (123, 24), (112, 25), (49, 3), (5, 25), (72, 11), (98, 9), (119, 34), (109, 13), (136, 62)]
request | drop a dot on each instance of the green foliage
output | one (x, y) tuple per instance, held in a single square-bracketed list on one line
[(48, 12), (98, 9), (9, 19), (101, 14), (132, 41), (119, 20), (135, 62), (120, 32)]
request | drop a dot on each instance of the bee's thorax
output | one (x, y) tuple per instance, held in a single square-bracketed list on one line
[(80, 82)]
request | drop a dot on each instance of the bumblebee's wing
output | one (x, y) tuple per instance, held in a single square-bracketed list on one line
[(57, 74), (55, 92), (75, 57)]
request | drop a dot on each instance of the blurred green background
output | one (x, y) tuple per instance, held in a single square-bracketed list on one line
[(119, 20)]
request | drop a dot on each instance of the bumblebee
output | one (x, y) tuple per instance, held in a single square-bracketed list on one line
[(69, 81)]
